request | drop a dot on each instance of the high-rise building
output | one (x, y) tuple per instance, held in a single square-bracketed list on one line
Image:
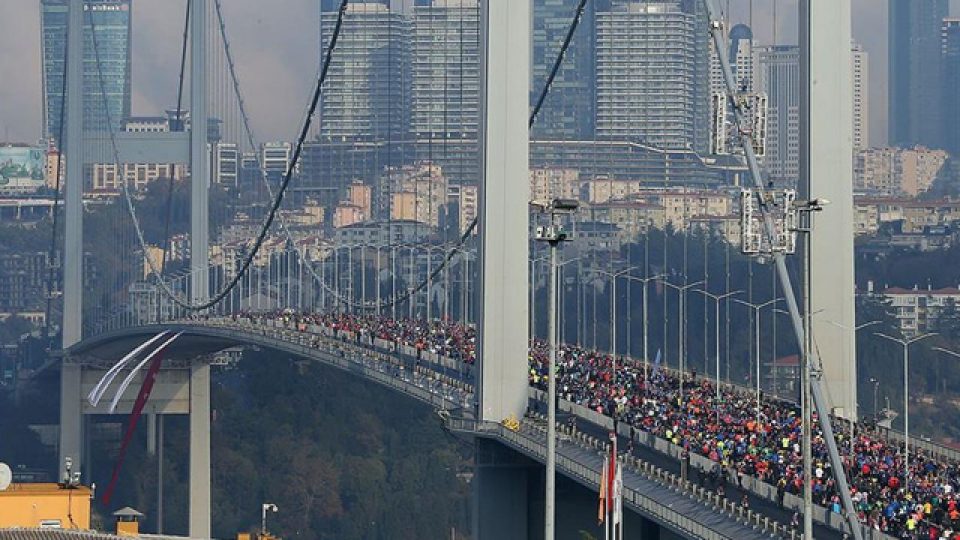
[(568, 112), (367, 92), (445, 64), (275, 158), (861, 97), (778, 76), (466, 200), (647, 76), (950, 97), (741, 58), (226, 163), (701, 85), (109, 22), (914, 73), (365, 106)]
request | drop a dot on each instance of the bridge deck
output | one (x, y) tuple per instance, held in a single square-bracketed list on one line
[(650, 490)]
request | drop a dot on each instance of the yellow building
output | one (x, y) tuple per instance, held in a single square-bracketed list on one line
[(45, 506), (548, 183)]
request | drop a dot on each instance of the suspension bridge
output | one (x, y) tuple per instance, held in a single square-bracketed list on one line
[(476, 279)]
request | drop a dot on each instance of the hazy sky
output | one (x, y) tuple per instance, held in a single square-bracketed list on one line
[(276, 49)]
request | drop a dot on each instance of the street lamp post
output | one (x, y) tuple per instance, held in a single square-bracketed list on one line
[(716, 321), (646, 352), (263, 515), (756, 318), (682, 295), (906, 397), (876, 394), (554, 235), (613, 323)]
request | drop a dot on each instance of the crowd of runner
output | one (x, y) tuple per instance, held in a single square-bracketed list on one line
[(732, 433)]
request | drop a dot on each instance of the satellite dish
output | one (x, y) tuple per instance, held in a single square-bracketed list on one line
[(6, 476)]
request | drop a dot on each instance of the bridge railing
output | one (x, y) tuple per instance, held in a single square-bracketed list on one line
[(425, 386)]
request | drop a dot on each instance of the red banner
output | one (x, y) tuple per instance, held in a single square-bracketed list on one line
[(135, 414)]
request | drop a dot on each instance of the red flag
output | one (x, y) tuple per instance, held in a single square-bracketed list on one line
[(135, 414)]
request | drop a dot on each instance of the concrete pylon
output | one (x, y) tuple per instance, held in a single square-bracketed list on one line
[(70, 421), (826, 172), (200, 522), (199, 162), (504, 223)]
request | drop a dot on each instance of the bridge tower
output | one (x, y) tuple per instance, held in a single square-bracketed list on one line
[(501, 484), (172, 147), (826, 172)]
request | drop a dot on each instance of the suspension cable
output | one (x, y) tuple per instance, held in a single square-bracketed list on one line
[(398, 299), (268, 221), (284, 227), (301, 253), (565, 46), (533, 118), (278, 199)]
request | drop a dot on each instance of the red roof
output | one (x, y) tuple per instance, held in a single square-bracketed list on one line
[(792, 360)]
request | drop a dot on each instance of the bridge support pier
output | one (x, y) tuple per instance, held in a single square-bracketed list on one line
[(649, 530), (71, 420), (500, 493), (200, 450)]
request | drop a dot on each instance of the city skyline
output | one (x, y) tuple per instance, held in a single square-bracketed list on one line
[(386, 245), (288, 62)]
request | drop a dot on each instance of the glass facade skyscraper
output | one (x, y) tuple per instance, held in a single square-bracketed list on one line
[(569, 111), (445, 66), (950, 50), (367, 93), (111, 21), (914, 72), (778, 76), (365, 106)]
